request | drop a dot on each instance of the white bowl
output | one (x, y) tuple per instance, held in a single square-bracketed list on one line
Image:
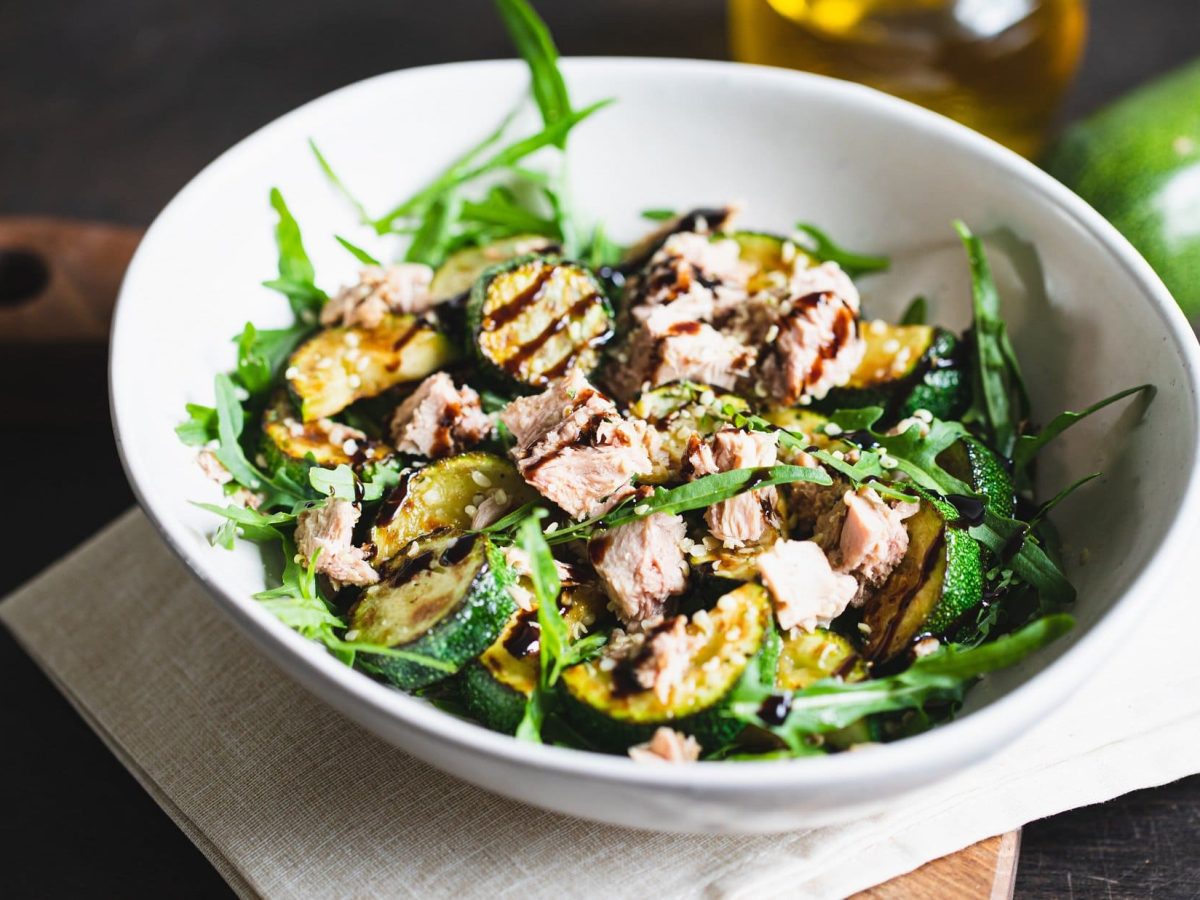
[(878, 173)]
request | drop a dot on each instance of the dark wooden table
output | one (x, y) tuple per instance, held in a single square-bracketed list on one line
[(108, 108)]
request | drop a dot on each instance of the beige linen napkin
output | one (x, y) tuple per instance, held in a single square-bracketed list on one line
[(288, 799)]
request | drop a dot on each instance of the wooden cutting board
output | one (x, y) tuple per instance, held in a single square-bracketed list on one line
[(58, 283)]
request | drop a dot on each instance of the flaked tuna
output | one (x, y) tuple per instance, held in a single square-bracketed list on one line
[(865, 536), (682, 351), (575, 448), (666, 745), (664, 658), (401, 288), (807, 593), (641, 566), (745, 518), (817, 347), (329, 529), (438, 419)]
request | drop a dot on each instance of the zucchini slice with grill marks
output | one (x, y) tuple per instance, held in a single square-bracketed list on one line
[(437, 497), (600, 702), (533, 318), (905, 368), (939, 579), (338, 366), (462, 268), (294, 445), (974, 463), (496, 686), (446, 597), (807, 657)]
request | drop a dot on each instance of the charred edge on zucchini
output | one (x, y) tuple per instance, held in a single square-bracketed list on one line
[(496, 686), (294, 445), (339, 366), (437, 497), (905, 368), (603, 707), (534, 318), (458, 274), (446, 597), (939, 579)]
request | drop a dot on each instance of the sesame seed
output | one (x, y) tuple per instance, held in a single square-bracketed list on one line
[(500, 496), (324, 362), (260, 461), (607, 664), (641, 509), (413, 549), (760, 390), (352, 338), (433, 495), (888, 462), (733, 633), (292, 372), (707, 397), (877, 326), (470, 509), (354, 381), (923, 414), (352, 634), (787, 252), (551, 528), (362, 363), (806, 400), (891, 345), (925, 646), (772, 333), (838, 455), (350, 447), (864, 627), (833, 429), (480, 479)]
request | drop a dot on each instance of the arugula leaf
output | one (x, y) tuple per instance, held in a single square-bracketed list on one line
[(853, 264), (261, 354), (276, 490), (658, 215), (602, 250), (1045, 508), (337, 182), (500, 208), (429, 244), (530, 727), (200, 427), (343, 483), (916, 313), (941, 677), (1010, 542), (532, 39), (357, 252), (999, 399), (296, 272), (1028, 445)]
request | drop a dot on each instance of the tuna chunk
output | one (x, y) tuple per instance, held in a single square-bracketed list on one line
[(438, 419), (330, 529), (402, 288), (866, 537), (666, 745), (688, 260), (827, 278), (807, 593), (818, 347), (682, 351), (575, 448), (743, 519), (641, 565)]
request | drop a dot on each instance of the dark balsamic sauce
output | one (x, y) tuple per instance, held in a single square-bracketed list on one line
[(519, 303), (525, 636), (393, 502), (775, 709), (459, 550), (862, 438), (970, 510)]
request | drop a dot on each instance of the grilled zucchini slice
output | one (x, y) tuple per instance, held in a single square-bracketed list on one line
[(602, 707), (974, 463), (939, 579), (294, 445), (446, 597), (905, 368), (807, 657), (437, 497), (773, 258), (533, 318), (338, 366), (496, 686), (462, 268)]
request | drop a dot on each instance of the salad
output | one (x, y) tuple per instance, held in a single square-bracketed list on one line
[(680, 500)]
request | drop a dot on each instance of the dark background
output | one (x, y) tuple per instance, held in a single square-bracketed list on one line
[(106, 109)]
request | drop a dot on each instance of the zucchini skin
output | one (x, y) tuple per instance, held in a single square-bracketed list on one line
[(476, 619), (973, 462), (615, 722), (937, 581), (493, 704), (514, 364)]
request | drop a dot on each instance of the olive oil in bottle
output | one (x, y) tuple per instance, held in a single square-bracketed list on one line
[(999, 66)]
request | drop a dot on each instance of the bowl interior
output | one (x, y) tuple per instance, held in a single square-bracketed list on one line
[(877, 174)]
